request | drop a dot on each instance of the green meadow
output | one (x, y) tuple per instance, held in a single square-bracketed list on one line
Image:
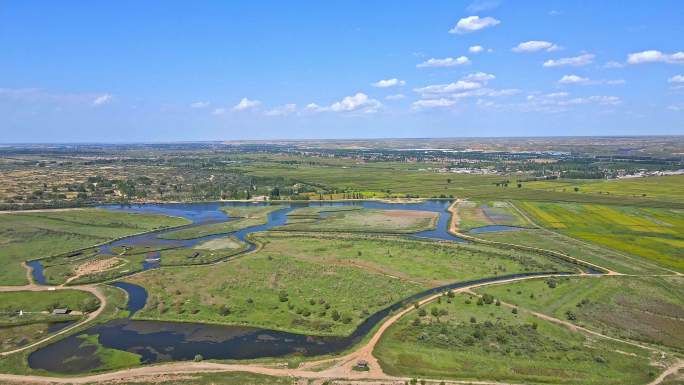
[(362, 220), (320, 284), (655, 234), (27, 236), (474, 214), (461, 338), (646, 309)]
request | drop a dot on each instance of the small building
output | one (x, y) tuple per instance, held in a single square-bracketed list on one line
[(362, 364), (61, 311)]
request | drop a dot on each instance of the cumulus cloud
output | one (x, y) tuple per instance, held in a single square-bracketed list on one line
[(199, 104), (475, 49), (535, 46), (473, 23), (388, 83), (282, 110), (446, 62), (359, 102), (654, 56), (480, 77), (449, 88), (395, 97), (246, 104), (573, 79), (102, 100), (432, 103), (679, 79), (218, 111), (576, 61)]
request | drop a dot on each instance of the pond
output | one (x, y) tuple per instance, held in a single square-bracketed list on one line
[(157, 341), (207, 213)]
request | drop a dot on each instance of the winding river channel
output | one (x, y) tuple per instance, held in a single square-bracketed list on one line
[(157, 341)]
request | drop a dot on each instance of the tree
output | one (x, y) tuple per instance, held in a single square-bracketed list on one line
[(422, 313), (434, 311), (198, 358), (570, 316), (515, 310), (473, 320), (224, 310), (576, 189), (335, 315)]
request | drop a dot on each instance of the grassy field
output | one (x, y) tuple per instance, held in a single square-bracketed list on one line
[(207, 252), (27, 236), (460, 339), (665, 188), (110, 359), (38, 301), (362, 220), (652, 233), (247, 216), (478, 214), (34, 324), (586, 251), (375, 180), (298, 283), (648, 309)]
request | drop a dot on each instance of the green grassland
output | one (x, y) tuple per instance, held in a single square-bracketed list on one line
[(647, 309), (27, 236), (19, 330), (247, 216), (656, 234), (665, 188), (298, 283), (37, 301), (467, 341), (375, 180), (207, 252), (110, 359), (478, 214), (586, 251), (363, 220)]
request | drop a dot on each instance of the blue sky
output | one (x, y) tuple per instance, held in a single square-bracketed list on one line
[(130, 71)]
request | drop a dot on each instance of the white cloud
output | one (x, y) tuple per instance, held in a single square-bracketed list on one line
[(573, 79), (613, 64), (475, 49), (388, 83), (473, 23), (446, 62), (482, 5), (535, 46), (675, 107), (395, 97), (555, 12), (102, 100), (218, 111), (679, 79), (432, 103), (480, 77), (282, 110), (576, 61), (653, 56), (246, 104), (460, 85), (359, 102), (199, 104)]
